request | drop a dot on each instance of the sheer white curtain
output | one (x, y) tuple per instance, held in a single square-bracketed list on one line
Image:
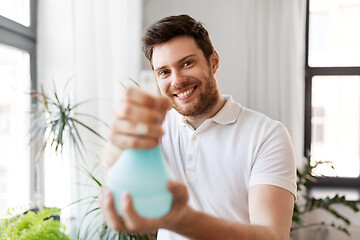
[(96, 43), (273, 60)]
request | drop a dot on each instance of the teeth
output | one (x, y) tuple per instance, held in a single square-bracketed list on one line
[(183, 94)]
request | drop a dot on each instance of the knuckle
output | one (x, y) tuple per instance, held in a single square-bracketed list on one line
[(133, 227), (164, 104), (113, 138), (141, 129), (153, 143), (122, 110), (134, 143), (126, 109), (113, 126), (129, 93), (155, 117)]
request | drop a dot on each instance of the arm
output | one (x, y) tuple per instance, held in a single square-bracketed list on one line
[(270, 216)]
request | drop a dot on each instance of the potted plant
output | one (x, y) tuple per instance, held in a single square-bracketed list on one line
[(306, 204), (33, 226)]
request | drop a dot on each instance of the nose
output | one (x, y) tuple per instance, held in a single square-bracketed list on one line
[(178, 79)]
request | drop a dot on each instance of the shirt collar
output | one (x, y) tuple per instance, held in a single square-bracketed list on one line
[(229, 113)]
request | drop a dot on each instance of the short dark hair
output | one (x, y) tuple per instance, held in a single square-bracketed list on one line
[(173, 26)]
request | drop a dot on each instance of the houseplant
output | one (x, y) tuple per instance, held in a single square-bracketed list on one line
[(306, 204), (33, 226)]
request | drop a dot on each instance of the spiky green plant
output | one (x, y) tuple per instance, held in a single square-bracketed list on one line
[(306, 204), (54, 120)]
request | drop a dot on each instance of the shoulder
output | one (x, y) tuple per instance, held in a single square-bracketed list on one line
[(259, 122)]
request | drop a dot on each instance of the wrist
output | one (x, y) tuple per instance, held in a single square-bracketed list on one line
[(185, 223)]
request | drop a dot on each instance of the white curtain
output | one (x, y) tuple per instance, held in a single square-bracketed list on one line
[(274, 62), (96, 43)]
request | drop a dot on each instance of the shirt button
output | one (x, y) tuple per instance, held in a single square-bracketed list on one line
[(194, 138), (190, 159)]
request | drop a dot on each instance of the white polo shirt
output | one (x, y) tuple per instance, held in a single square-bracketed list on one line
[(228, 154)]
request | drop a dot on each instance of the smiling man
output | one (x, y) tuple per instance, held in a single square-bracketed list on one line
[(235, 167), (187, 78)]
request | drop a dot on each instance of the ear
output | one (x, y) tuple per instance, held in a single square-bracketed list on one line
[(214, 62)]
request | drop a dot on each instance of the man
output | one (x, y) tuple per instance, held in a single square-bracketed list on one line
[(235, 167)]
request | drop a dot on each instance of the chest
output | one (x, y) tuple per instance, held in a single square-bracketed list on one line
[(216, 164)]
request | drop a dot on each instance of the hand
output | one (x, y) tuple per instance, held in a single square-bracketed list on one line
[(138, 119), (137, 123), (131, 221)]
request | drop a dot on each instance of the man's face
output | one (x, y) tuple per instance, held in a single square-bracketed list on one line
[(185, 76)]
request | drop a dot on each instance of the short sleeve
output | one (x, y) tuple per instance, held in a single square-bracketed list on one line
[(275, 162)]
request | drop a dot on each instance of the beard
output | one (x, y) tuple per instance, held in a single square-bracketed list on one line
[(206, 97)]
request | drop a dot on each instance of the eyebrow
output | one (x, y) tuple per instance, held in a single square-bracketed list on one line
[(179, 61)]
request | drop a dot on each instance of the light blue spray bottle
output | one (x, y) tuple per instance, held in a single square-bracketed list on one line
[(144, 175)]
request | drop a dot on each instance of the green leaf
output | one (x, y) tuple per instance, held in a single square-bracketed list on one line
[(87, 127)]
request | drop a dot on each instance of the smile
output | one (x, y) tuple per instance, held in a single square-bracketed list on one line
[(185, 94)]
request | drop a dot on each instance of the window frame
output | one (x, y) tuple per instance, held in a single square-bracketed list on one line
[(310, 72), (16, 35)]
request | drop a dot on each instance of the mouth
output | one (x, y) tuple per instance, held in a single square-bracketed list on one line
[(185, 93)]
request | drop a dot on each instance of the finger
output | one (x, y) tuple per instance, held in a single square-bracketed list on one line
[(139, 97), (137, 128), (133, 221), (135, 142), (131, 217), (179, 192), (111, 217), (163, 105), (126, 110)]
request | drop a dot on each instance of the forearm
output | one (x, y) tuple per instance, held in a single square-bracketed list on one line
[(197, 225)]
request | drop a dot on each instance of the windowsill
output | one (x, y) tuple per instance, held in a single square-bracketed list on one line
[(330, 186)]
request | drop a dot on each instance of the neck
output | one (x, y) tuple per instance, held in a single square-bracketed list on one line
[(196, 121)]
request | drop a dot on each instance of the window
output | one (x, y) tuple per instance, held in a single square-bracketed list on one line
[(332, 80), (16, 10), (17, 74)]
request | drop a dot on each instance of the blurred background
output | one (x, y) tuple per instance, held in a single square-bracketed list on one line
[(296, 61)]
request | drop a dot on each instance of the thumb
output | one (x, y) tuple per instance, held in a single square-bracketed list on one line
[(179, 191), (163, 104), (130, 216)]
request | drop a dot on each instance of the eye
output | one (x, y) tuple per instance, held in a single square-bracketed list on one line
[(163, 73), (187, 63)]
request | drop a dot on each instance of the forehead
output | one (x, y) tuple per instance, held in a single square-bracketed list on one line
[(173, 50)]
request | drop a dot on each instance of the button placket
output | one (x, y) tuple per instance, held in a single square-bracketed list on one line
[(192, 154)]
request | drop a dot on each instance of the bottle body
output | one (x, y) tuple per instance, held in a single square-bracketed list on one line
[(144, 175)]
